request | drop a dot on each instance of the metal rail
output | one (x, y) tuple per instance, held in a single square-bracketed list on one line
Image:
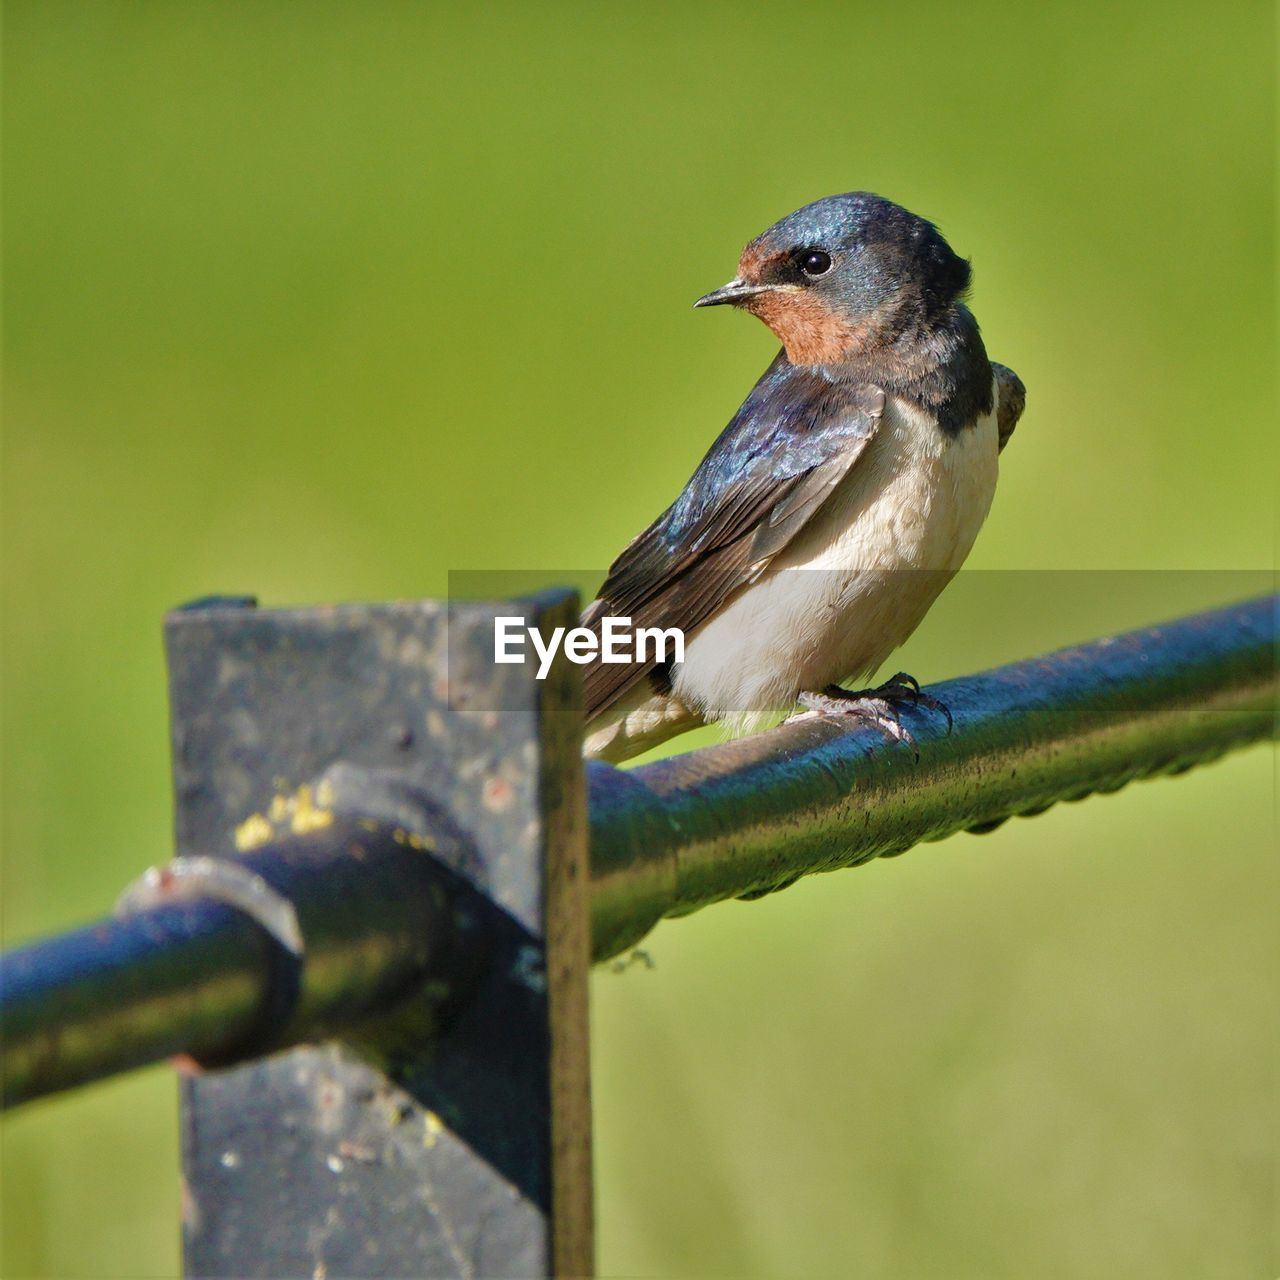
[(737, 820), (201, 978), (754, 815)]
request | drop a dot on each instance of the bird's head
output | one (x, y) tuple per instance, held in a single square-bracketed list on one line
[(845, 275)]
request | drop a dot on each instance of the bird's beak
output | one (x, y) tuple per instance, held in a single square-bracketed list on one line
[(733, 293)]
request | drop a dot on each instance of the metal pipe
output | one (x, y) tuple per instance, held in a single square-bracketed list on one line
[(187, 978), (205, 979), (752, 816), (380, 919)]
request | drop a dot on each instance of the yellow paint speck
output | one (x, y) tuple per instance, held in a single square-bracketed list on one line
[(433, 1127), (253, 833), (306, 817)]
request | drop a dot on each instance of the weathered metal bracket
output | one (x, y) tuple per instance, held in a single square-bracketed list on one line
[(381, 1156)]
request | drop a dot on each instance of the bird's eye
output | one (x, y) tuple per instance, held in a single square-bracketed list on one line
[(814, 262)]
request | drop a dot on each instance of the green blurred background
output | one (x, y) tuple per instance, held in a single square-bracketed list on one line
[(323, 301)]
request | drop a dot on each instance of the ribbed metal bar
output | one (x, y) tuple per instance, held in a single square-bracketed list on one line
[(752, 816)]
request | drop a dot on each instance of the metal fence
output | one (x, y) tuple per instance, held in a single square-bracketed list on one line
[(370, 955)]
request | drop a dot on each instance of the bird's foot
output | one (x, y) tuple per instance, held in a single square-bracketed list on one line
[(879, 706)]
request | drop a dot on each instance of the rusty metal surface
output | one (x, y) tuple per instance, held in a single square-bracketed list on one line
[(750, 817)]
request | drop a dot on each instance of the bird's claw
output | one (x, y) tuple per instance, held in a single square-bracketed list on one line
[(874, 706), (911, 687)]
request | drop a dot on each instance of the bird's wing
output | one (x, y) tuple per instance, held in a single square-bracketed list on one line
[(1012, 397), (795, 438)]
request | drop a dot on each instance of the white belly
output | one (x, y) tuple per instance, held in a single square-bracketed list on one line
[(857, 580)]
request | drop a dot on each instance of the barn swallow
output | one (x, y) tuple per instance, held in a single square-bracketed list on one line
[(841, 498)]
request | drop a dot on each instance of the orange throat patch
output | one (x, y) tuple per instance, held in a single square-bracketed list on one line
[(810, 332)]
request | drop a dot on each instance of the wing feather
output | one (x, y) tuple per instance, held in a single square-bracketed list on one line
[(1012, 399), (793, 441)]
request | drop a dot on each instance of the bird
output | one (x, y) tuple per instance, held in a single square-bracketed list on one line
[(841, 498)]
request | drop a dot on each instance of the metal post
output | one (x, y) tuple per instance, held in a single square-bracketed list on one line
[(464, 1153)]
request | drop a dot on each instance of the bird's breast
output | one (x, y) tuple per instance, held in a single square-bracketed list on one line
[(857, 580), (916, 499)]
